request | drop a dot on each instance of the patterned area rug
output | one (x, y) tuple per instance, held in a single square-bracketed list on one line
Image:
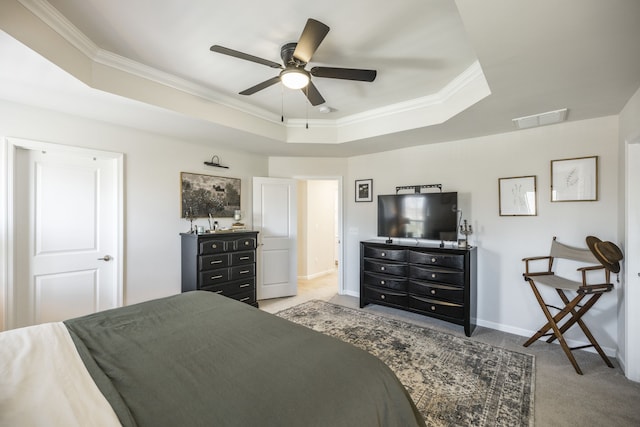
[(453, 381)]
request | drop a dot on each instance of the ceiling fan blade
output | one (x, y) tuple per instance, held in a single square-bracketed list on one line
[(241, 55), (312, 35), (312, 94), (265, 84), (344, 73)]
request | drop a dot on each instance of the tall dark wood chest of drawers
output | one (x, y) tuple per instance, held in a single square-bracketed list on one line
[(223, 262), (421, 278)]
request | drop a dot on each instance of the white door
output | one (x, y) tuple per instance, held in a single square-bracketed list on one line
[(632, 264), (275, 218), (66, 210)]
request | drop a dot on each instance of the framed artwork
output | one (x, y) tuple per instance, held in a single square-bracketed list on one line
[(364, 190), (517, 196), (574, 180), (204, 195)]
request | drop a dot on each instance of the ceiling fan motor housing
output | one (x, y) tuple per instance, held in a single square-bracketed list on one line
[(286, 53)]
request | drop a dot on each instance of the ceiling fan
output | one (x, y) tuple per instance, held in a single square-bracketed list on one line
[(295, 56)]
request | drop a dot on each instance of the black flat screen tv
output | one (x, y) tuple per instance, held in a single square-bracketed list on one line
[(430, 216)]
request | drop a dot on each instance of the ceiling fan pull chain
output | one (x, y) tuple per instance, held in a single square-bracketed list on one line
[(307, 107), (282, 104)]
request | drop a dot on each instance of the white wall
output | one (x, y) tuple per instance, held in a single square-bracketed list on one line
[(472, 168), (152, 187)]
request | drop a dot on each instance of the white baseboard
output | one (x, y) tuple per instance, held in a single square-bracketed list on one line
[(316, 275), (611, 352), (351, 294)]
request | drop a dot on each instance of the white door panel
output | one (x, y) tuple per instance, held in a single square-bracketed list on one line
[(65, 295), (65, 220), (67, 226), (274, 217)]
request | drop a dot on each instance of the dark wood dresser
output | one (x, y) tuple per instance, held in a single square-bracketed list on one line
[(222, 262), (422, 278)]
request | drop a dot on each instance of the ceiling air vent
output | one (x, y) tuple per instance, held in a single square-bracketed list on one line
[(542, 119)]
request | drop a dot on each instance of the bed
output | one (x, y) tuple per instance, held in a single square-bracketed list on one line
[(194, 359)]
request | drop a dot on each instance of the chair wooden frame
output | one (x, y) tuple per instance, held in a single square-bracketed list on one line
[(590, 293)]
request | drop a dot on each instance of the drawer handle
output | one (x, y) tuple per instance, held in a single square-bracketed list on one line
[(214, 246), (433, 260), (246, 285), (383, 254), (246, 243), (382, 282), (244, 257), (245, 299), (381, 268), (244, 271), (382, 297), (216, 277), (433, 276), (216, 262), (433, 291), (433, 308)]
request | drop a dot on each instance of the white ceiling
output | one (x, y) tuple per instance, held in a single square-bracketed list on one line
[(446, 70)]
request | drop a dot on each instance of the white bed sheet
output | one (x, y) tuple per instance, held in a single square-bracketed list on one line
[(43, 381)]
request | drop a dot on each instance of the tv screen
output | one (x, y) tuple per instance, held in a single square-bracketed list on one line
[(431, 216)]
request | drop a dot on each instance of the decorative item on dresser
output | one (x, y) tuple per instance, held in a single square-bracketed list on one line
[(422, 278), (224, 263)]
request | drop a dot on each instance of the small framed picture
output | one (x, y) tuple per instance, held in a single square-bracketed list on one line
[(517, 196), (574, 180), (364, 190)]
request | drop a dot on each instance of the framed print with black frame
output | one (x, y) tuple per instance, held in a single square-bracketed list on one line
[(206, 195), (574, 180), (364, 190), (517, 196)]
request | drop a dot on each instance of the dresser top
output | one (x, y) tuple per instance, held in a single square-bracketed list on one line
[(220, 233), (420, 244)]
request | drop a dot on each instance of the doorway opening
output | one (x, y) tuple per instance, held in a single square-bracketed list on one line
[(319, 237)]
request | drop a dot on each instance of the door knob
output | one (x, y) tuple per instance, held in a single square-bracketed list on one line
[(105, 258)]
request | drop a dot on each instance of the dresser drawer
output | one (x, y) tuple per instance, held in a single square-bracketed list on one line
[(212, 246), (242, 244), (232, 288), (239, 258), (242, 271), (209, 262), (397, 283), (385, 296), (441, 308), (437, 259), (395, 269), (437, 291), (383, 253), (246, 297), (437, 275), (214, 277)]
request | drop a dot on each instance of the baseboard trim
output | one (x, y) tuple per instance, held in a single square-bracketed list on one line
[(316, 275), (611, 352)]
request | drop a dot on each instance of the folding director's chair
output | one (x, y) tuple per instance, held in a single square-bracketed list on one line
[(590, 293)]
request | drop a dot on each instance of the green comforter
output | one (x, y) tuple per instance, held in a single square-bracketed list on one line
[(200, 359)]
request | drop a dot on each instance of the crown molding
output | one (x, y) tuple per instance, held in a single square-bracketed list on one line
[(61, 25)]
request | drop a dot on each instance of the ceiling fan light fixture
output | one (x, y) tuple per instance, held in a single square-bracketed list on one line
[(294, 78)]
